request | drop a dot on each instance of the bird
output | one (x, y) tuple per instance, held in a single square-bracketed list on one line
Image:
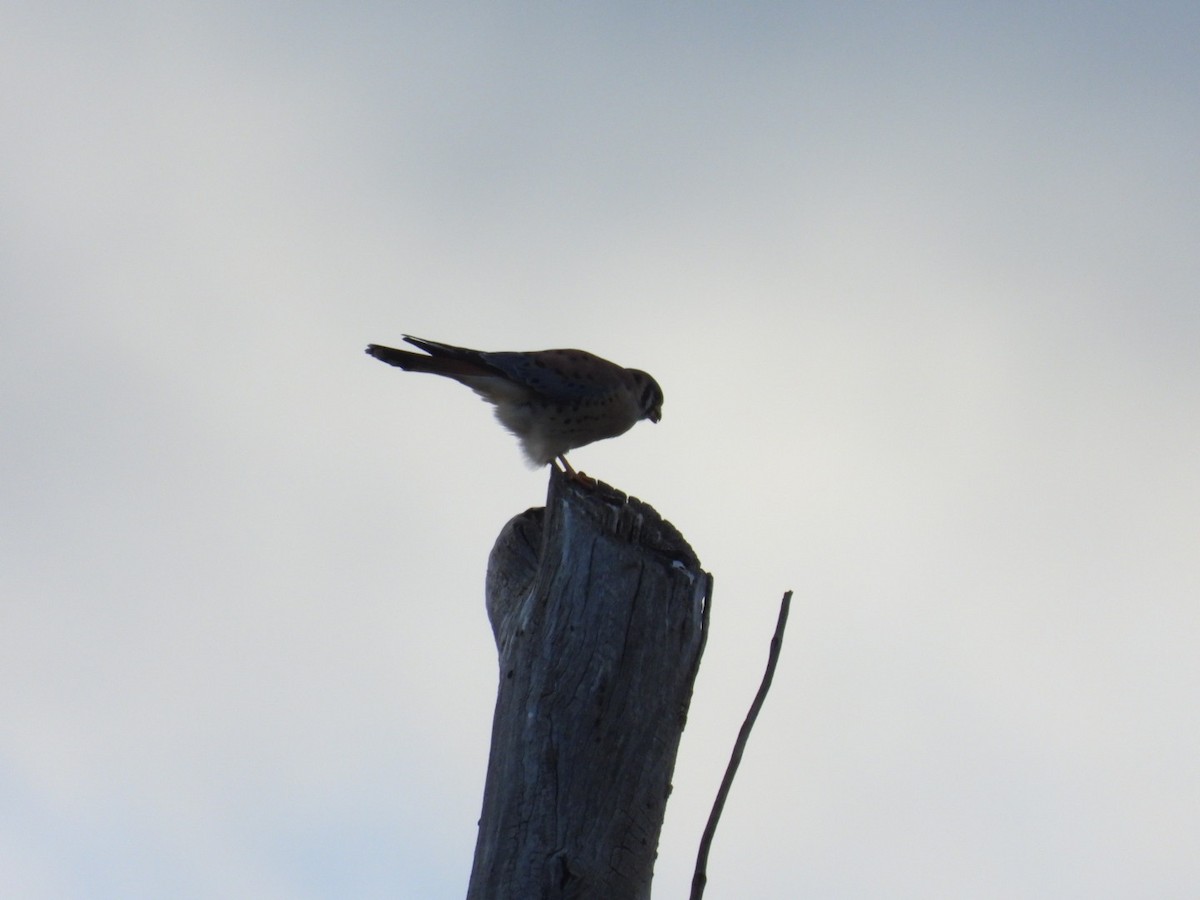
[(553, 401)]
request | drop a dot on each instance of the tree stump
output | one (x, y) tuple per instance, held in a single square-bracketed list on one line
[(600, 611)]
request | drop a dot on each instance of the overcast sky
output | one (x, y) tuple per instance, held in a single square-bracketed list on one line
[(919, 281)]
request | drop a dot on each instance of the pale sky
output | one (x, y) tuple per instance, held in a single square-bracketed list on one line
[(920, 285)]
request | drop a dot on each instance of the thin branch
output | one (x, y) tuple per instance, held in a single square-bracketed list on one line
[(700, 878)]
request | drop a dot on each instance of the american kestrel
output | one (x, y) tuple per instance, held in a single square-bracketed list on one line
[(552, 400)]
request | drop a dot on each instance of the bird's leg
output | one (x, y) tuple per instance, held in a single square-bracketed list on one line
[(572, 475)]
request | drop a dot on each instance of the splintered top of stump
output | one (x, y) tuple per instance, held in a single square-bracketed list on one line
[(599, 609), (622, 516)]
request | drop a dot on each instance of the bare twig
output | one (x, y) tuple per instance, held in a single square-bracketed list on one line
[(700, 878)]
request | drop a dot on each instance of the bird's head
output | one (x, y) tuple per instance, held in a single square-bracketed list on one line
[(650, 395)]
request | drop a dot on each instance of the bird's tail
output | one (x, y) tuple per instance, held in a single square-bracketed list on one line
[(439, 363)]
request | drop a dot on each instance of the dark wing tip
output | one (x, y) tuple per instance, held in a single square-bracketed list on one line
[(431, 347)]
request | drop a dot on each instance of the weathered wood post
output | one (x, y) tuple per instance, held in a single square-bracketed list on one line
[(600, 611)]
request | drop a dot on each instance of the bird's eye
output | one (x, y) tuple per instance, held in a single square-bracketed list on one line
[(649, 397)]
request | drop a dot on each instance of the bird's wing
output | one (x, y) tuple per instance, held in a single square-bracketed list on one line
[(556, 374), (552, 374), (465, 366), (447, 351)]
